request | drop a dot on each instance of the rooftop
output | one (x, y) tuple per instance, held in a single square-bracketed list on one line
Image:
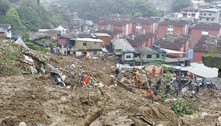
[(110, 32), (206, 44), (101, 34), (5, 26), (210, 10), (136, 39), (212, 26), (88, 40), (115, 22), (123, 45), (146, 50), (175, 23), (144, 21), (173, 42)]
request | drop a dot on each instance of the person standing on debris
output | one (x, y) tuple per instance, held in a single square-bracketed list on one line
[(85, 53), (176, 91), (85, 80), (197, 89), (158, 85), (117, 73), (139, 83), (167, 89), (150, 82), (101, 55), (153, 70)]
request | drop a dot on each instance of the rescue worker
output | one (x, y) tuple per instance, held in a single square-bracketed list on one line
[(150, 82), (85, 53), (153, 70), (158, 85), (139, 83), (135, 79), (148, 92), (85, 80), (117, 72)]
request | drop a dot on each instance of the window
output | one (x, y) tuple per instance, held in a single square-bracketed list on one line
[(207, 19), (204, 14), (84, 44), (157, 56), (212, 19), (128, 56), (95, 43), (170, 26), (149, 56), (209, 14), (95, 52)]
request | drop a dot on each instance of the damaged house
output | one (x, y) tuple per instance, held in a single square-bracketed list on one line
[(123, 51)]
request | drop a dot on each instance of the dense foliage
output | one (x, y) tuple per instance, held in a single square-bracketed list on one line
[(28, 16), (181, 108), (94, 9), (178, 5)]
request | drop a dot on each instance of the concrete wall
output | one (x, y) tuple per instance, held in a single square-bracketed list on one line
[(90, 45)]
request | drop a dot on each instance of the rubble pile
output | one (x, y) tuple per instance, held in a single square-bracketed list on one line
[(35, 96)]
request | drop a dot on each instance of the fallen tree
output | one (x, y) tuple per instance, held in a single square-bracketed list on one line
[(97, 111)]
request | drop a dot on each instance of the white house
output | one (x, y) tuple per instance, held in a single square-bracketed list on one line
[(5, 31)]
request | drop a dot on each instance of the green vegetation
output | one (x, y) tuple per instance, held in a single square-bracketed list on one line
[(178, 5), (168, 68), (94, 9), (28, 16), (181, 108), (168, 75)]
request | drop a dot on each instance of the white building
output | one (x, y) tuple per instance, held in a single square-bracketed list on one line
[(209, 16), (197, 3), (5, 31), (190, 13)]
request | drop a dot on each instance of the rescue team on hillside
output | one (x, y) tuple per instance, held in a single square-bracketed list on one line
[(100, 55)]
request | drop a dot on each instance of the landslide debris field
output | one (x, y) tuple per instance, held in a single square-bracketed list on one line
[(36, 99)]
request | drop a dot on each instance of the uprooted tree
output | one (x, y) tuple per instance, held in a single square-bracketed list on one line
[(96, 112)]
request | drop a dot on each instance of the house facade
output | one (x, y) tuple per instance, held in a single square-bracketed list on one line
[(123, 51), (204, 29), (5, 31), (106, 38), (93, 46), (172, 27), (144, 25), (190, 13), (146, 55)]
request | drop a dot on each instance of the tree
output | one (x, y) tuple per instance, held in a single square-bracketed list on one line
[(4, 6), (29, 18), (178, 5), (13, 19)]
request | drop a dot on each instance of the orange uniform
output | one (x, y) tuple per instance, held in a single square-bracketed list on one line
[(153, 70), (148, 92), (86, 80), (139, 82)]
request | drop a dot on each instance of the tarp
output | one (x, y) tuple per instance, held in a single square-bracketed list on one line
[(159, 69), (168, 51), (19, 41)]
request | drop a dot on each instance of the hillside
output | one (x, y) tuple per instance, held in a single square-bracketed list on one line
[(26, 15)]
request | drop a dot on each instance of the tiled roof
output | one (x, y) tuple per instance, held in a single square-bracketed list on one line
[(175, 23), (111, 32), (5, 26), (203, 46), (212, 26), (173, 42), (138, 38), (144, 21)]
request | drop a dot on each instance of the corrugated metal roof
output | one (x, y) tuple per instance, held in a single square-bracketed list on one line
[(146, 50), (102, 34), (123, 45)]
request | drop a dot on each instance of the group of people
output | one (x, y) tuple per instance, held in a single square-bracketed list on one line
[(88, 81)]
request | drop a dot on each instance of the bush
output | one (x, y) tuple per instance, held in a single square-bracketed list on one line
[(181, 108), (169, 75)]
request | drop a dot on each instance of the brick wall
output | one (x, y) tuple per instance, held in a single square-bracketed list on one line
[(197, 56)]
